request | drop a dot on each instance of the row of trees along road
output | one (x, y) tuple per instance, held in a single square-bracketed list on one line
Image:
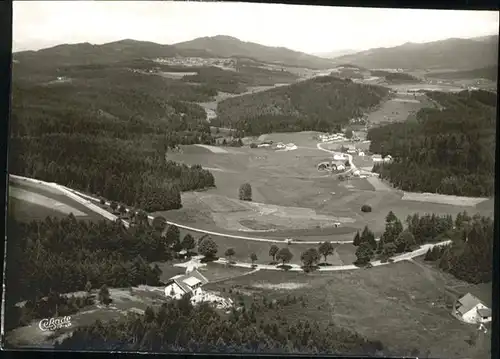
[(468, 257), (449, 150)]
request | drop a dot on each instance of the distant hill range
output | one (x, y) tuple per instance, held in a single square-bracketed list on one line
[(489, 73), (217, 46), (335, 53), (86, 53), (459, 54), (227, 46)]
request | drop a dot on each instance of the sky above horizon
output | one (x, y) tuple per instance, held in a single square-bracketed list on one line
[(311, 29)]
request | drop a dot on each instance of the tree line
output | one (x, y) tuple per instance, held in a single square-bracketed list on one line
[(450, 150), (256, 327), (468, 257), (107, 133), (56, 256), (238, 81), (320, 104), (64, 255)]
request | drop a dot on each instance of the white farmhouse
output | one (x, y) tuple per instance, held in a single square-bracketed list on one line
[(189, 283), (471, 310), (361, 153), (339, 157), (377, 158), (280, 145)]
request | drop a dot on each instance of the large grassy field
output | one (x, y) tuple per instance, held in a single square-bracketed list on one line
[(399, 108), (292, 197), (406, 305)]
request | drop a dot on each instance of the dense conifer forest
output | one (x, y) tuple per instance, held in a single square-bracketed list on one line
[(238, 81), (63, 255), (470, 255), (180, 327), (106, 131), (449, 150), (320, 104)]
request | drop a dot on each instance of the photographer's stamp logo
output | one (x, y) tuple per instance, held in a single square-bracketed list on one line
[(53, 324)]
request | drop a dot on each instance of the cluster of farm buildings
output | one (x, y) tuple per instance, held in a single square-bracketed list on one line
[(191, 284), (279, 145), (336, 137)]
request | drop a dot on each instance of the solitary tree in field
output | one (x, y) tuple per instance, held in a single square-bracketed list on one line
[(245, 192), (208, 248), (284, 255), (188, 242), (113, 206), (102, 201), (310, 257), (349, 133), (229, 253), (273, 250), (326, 249), (253, 258), (159, 223)]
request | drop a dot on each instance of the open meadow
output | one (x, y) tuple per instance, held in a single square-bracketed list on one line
[(291, 198), (398, 108), (413, 298)]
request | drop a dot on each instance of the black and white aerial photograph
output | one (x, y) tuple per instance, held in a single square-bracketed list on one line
[(215, 177)]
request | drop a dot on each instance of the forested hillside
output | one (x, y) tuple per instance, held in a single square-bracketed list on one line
[(228, 46), (470, 255), (443, 54), (395, 77), (320, 104), (57, 256), (238, 81), (258, 327), (106, 131), (449, 150), (110, 53)]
